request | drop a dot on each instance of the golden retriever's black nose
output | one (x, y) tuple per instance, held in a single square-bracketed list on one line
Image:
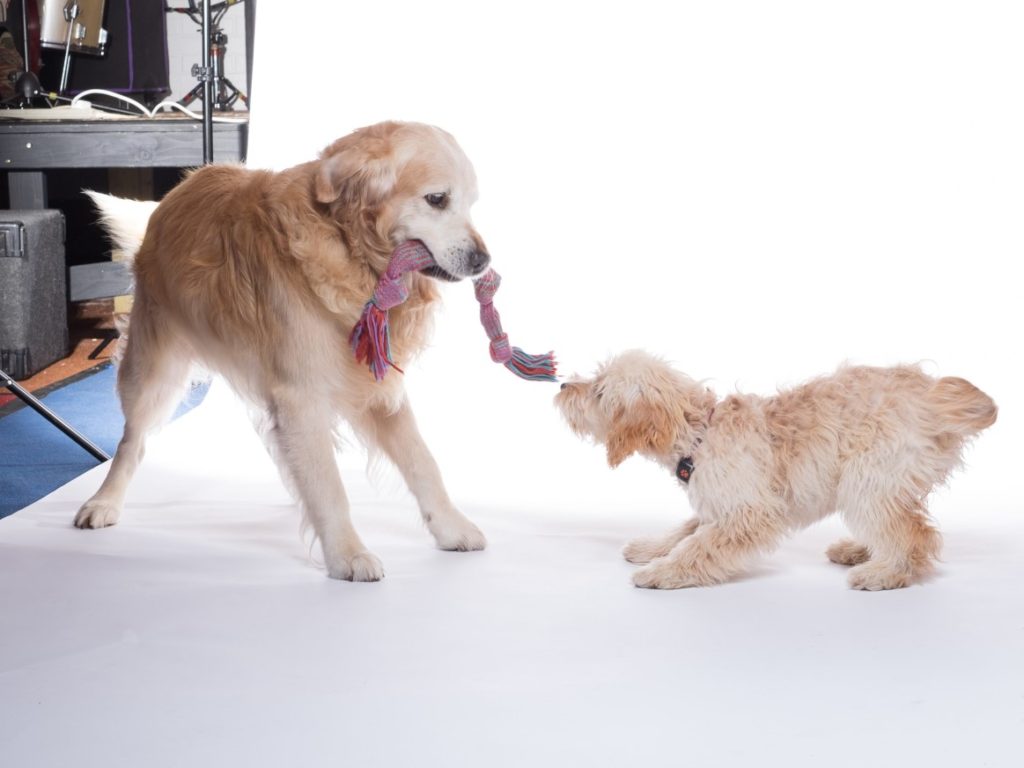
[(564, 385), (478, 261)]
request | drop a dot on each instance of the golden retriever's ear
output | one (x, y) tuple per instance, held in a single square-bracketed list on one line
[(645, 426), (356, 173)]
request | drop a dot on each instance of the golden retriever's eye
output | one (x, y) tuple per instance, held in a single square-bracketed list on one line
[(437, 200)]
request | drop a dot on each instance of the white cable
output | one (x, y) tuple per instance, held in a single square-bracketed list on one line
[(166, 104), (91, 91)]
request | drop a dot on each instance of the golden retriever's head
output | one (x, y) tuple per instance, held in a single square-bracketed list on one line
[(637, 403), (406, 181)]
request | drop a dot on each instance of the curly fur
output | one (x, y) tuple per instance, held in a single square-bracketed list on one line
[(870, 443)]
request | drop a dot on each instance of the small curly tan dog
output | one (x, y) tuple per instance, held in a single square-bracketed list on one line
[(868, 442)]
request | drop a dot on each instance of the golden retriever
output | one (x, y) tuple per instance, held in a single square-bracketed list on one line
[(869, 442), (260, 276)]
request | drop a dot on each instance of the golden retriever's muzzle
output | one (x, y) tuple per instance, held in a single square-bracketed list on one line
[(471, 264)]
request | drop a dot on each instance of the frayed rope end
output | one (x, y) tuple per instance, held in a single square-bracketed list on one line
[(371, 341), (533, 367)]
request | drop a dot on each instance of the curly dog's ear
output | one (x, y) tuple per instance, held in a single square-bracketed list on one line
[(358, 168), (622, 442), (646, 426)]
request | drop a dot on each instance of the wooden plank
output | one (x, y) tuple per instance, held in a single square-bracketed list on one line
[(136, 125), (152, 144), (27, 191), (100, 280)]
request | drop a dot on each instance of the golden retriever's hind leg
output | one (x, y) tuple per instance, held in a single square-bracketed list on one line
[(903, 543), (264, 421), (305, 444), (398, 436), (648, 548), (150, 382), (848, 552)]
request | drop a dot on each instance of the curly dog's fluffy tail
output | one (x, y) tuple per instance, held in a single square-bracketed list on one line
[(960, 407)]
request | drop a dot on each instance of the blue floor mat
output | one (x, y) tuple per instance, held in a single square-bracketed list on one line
[(36, 457)]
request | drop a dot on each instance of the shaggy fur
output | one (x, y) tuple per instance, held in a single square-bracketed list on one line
[(868, 442), (260, 276)]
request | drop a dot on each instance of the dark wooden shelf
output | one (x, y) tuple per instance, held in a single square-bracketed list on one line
[(28, 145)]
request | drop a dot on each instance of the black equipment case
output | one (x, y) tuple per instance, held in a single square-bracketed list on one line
[(33, 291)]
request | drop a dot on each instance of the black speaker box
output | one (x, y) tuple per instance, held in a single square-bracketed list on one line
[(33, 291)]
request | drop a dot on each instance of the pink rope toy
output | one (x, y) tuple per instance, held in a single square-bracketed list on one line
[(370, 339)]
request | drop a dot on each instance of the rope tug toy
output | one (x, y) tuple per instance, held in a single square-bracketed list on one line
[(371, 342)]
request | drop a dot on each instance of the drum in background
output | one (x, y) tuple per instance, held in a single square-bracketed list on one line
[(135, 62), (87, 32)]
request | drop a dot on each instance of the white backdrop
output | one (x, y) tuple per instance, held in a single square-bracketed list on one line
[(757, 191)]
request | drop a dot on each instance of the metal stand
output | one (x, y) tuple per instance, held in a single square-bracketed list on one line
[(207, 81), (26, 87), (211, 71), (71, 11), (108, 337), (225, 93), (29, 399)]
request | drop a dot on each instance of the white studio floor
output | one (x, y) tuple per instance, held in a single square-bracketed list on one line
[(197, 632)]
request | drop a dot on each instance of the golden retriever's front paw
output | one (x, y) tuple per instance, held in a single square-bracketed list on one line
[(457, 534), (97, 513), (361, 566)]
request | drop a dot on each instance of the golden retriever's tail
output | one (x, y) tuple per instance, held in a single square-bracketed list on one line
[(960, 407), (124, 220)]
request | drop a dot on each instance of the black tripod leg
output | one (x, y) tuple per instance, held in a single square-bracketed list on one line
[(195, 93), (236, 94), (108, 336), (51, 417)]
